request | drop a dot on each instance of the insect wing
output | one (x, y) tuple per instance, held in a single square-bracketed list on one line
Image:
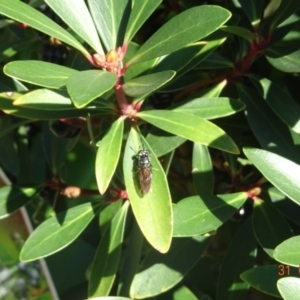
[(145, 176)]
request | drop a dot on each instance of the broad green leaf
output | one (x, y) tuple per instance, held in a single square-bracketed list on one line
[(163, 142), (284, 60), (24, 13), (140, 12), (57, 232), (46, 99), (262, 119), (210, 108), (153, 210), (163, 271), (147, 84), (282, 103), (179, 59), (107, 257), (239, 257), (280, 171), (264, 278), (77, 16), (202, 170), (110, 18), (190, 127), (108, 154), (86, 86), (13, 197), (269, 226), (289, 287), (39, 73), (185, 28), (239, 31), (195, 216), (288, 252)]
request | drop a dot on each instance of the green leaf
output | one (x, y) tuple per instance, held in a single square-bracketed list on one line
[(210, 108), (77, 16), (289, 287), (108, 154), (147, 84), (202, 170), (190, 127), (140, 12), (163, 142), (13, 197), (288, 110), (111, 19), (280, 171), (177, 60), (185, 28), (264, 278), (110, 298), (107, 257), (239, 257), (262, 119), (86, 86), (163, 271), (288, 252), (46, 99), (24, 13), (39, 73), (199, 215), (57, 232), (269, 226), (289, 63), (153, 210), (239, 31)]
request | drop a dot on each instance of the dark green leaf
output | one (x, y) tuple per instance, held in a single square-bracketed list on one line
[(269, 226), (79, 19), (86, 86), (108, 154), (202, 170), (282, 103), (163, 271), (239, 257), (111, 19), (253, 9), (39, 73), (264, 278), (195, 215), (153, 210), (57, 232), (13, 197), (280, 171), (262, 119), (187, 27), (190, 127), (24, 13), (107, 257), (147, 84)]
